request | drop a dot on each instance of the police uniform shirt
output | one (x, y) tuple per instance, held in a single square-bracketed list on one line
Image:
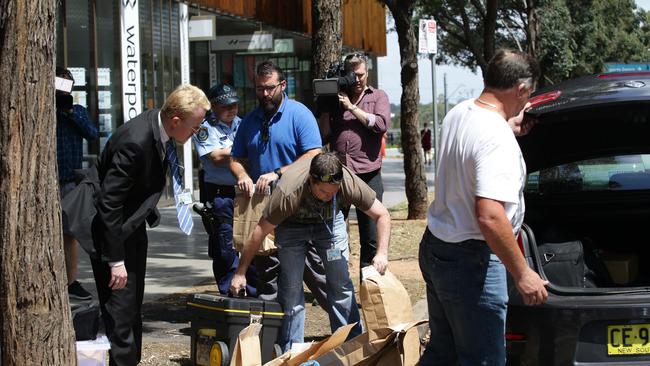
[(209, 138)]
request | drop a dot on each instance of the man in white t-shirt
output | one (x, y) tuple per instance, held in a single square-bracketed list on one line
[(470, 240)]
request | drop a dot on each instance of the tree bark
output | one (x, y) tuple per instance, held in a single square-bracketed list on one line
[(489, 31), (35, 320), (327, 41), (532, 28), (416, 180)]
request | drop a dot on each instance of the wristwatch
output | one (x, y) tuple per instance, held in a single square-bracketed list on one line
[(278, 172)]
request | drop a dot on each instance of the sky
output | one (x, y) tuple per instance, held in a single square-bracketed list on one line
[(462, 83)]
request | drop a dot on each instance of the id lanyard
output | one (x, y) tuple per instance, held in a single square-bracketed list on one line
[(332, 253)]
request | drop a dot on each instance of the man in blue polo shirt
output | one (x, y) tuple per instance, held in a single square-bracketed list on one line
[(271, 138), (213, 143), (274, 135)]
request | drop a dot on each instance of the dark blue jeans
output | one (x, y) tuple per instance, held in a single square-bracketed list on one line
[(294, 242), (467, 296)]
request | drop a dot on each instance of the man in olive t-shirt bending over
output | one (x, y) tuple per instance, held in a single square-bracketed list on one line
[(305, 209)]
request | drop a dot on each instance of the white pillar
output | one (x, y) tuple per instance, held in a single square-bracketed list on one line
[(188, 174)]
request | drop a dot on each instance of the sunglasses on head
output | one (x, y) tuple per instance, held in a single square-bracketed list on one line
[(328, 178), (358, 55)]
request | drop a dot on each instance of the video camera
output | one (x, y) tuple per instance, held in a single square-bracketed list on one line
[(63, 98), (326, 90), (336, 80)]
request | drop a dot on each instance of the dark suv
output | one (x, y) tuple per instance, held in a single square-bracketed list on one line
[(587, 212)]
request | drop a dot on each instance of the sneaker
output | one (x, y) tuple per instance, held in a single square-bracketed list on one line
[(76, 291)]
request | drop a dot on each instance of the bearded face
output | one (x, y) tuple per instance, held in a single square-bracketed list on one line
[(269, 91)]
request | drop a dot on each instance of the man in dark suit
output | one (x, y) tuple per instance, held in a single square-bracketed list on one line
[(131, 172)]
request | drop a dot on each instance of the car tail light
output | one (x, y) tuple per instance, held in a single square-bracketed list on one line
[(515, 337), (544, 98), (624, 74)]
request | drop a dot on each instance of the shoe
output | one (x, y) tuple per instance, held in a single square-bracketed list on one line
[(76, 291)]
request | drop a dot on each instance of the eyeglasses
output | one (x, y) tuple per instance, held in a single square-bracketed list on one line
[(195, 130), (268, 89), (328, 178)]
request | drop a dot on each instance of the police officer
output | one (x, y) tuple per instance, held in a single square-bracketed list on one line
[(213, 143)]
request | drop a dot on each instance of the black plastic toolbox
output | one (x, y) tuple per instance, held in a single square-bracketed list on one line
[(216, 321)]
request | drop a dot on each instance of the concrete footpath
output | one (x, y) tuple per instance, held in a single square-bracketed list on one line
[(176, 261)]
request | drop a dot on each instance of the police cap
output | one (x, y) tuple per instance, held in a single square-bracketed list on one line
[(223, 94)]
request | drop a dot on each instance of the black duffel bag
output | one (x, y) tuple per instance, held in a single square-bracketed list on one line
[(564, 263)]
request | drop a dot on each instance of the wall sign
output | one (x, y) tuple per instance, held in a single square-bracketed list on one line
[(202, 28), (130, 49), (258, 41)]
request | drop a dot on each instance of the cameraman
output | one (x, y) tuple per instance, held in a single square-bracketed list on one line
[(72, 125), (356, 135)]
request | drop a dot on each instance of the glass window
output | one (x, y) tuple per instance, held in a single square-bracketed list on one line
[(109, 75), (77, 60), (146, 45), (78, 36), (156, 22), (166, 49), (60, 36), (614, 173), (199, 66), (176, 47)]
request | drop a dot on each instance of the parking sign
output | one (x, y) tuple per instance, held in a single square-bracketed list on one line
[(427, 42)]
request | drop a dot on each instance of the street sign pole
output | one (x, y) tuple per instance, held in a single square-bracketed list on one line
[(434, 128), (427, 43)]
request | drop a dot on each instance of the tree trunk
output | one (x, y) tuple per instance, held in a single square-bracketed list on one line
[(532, 25), (326, 47), (327, 41), (35, 324), (416, 180), (489, 30)]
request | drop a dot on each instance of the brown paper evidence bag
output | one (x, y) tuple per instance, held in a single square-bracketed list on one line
[(246, 215)]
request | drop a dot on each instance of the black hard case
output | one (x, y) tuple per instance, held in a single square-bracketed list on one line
[(227, 316), (85, 320)]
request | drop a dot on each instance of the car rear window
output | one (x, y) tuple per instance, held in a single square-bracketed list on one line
[(612, 173)]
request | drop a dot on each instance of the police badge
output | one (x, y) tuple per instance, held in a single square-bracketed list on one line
[(203, 134)]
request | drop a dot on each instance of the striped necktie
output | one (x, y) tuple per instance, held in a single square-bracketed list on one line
[(183, 213)]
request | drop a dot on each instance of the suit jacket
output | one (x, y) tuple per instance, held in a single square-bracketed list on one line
[(79, 208), (131, 172)]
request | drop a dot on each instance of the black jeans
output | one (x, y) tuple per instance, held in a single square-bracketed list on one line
[(367, 226)]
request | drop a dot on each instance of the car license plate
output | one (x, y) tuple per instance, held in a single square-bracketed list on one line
[(630, 339)]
